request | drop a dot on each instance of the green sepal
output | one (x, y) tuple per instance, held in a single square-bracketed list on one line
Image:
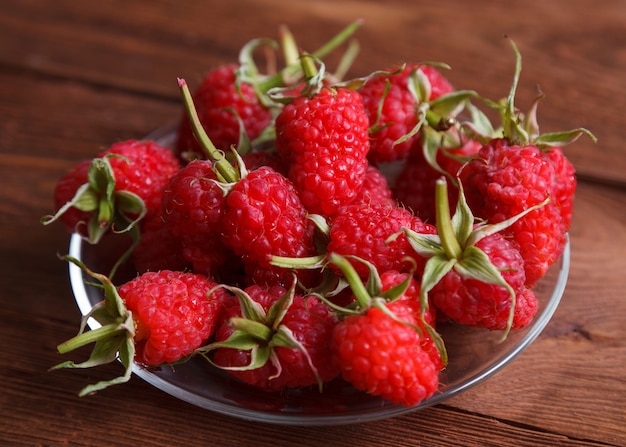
[(110, 210), (112, 340), (557, 139), (259, 332), (454, 247), (451, 104)]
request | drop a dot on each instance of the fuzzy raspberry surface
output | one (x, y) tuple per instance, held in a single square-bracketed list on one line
[(213, 98), (398, 115), (172, 312), (384, 357), (411, 299), (507, 179), (144, 169), (311, 323), (325, 141), (480, 304), (363, 230), (265, 217)]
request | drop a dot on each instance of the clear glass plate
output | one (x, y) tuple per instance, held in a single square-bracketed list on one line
[(474, 356)]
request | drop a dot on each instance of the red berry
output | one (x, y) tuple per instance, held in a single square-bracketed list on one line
[(398, 115), (144, 169), (264, 218), (216, 95), (158, 248), (363, 230), (310, 323), (173, 314), (375, 188), (476, 303), (384, 357), (141, 168), (411, 298), (193, 208), (325, 140), (506, 180)]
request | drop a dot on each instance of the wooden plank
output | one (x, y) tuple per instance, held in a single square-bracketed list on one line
[(575, 370), (37, 406), (187, 41)]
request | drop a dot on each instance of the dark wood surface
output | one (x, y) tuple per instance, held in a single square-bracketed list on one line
[(78, 76)]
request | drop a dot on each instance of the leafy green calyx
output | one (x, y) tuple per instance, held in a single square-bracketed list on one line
[(260, 333), (113, 340), (454, 246)]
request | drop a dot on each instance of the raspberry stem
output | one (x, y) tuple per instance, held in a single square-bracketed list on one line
[(222, 165), (449, 241), (293, 69)]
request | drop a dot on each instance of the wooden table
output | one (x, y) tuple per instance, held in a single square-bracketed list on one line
[(78, 76)]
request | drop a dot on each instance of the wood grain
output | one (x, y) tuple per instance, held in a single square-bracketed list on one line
[(78, 76)]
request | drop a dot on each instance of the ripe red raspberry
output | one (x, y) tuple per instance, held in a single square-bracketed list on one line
[(144, 169), (213, 98), (506, 180), (384, 357), (325, 140), (479, 304), (308, 322), (140, 168), (474, 274), (264, 217), (193, 207), (411, 298), (375, 188), (158, 248), (173, 314), (363, 230), (563, 185), (398, 115), (415, 185)]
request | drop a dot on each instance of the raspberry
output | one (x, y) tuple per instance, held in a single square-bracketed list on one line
[(193, 208), (135, 170), (172, 313), (375, 188), (156, 318), (399, 114), (213, 98), (310, 324), (264, 217), (144, 169), (411, 298), (363, 230), (158, 248), (384, 357), (476, 303), (506, 180), (325, 140)]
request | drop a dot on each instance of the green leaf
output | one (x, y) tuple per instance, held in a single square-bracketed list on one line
[(557, 139), (477, 265), (451, 104), (435, 269), (463, 219), (425, 245)]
